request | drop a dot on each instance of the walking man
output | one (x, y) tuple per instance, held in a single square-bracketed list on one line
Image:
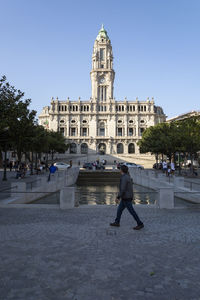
[(126, 196)]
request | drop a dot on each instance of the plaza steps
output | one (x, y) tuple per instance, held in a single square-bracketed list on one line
[(98, 177)]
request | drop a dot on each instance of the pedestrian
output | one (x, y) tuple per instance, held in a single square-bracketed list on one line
[(164, 166), (172, 167), (169, 171), (52, 170), (126, 196)]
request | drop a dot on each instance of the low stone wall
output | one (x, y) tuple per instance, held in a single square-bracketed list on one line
[(168, 187), (23, 193)]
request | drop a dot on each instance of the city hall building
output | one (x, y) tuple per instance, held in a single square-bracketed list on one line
[(101, 125)]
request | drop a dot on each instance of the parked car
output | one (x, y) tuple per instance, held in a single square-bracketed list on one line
[(129, 165), (133, 165), (61, 165), (88, 166)]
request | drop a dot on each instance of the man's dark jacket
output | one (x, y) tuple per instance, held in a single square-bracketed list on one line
[(125, 188)]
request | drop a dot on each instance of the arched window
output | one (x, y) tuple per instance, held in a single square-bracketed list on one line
[(131, 148), (73, 148), (120, 148), (84, 148)]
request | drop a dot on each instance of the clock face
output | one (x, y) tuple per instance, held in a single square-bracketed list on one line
[(102, 80)]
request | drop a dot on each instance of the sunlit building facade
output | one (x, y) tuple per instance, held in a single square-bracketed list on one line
[(101, 124)]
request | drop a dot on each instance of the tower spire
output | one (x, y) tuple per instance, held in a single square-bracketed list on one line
[(102, 74)]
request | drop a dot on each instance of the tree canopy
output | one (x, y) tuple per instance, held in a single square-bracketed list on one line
[(19, 130), (169, 138)]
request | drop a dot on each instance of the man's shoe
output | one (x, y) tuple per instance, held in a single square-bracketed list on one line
[(138, 227), (115, 224)]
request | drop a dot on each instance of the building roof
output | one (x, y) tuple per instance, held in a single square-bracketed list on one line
[(102, 34), (184, 116)]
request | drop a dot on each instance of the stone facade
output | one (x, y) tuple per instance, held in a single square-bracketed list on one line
[(101, 124)]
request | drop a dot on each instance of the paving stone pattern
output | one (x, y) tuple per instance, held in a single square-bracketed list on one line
[(49, 254)]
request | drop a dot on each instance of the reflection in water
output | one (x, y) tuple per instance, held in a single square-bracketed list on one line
[(102, 194), (106, 194)]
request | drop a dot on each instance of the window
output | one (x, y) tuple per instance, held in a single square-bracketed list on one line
[(84, 148), (131, 148), (119, 121), (73, 131), (84, 131), (142, 130), (62, 121), (102, 52), (131, 121), (142, 121), (130, 131), (73, 148), (120, 148), (102, 132), (73, 121), (62, 130), (102, 66), (84, 121), (119, 131)]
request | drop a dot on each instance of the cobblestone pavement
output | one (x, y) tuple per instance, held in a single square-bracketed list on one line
[(49, 254)]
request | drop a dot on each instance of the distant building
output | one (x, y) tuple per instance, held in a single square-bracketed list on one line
[(101, 124), (184, 116)]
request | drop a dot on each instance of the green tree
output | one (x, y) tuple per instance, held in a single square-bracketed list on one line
[(190, 140), (56, 143), (163, 138)]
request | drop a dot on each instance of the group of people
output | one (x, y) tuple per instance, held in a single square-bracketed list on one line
[(168, 168)]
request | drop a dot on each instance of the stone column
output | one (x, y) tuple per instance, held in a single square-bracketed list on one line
[(166, 198), (67, 198)]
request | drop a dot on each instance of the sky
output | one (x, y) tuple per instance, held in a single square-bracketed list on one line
[(46, 48)]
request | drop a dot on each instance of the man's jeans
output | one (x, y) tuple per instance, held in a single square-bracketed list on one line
[(127, 204)]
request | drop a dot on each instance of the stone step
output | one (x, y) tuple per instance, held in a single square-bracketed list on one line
[(98, 177)]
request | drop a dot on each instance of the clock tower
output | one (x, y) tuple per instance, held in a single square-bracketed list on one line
[(102, 74)]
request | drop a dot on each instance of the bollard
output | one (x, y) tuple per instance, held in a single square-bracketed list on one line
[(67, 198), (166, 198)]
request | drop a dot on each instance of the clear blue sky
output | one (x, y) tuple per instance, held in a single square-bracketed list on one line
[(46, 49)]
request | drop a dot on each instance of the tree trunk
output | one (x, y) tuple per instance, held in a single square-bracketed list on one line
[(32, 163), (5, 165), (52, 155), (36, 157), (19, 155)]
